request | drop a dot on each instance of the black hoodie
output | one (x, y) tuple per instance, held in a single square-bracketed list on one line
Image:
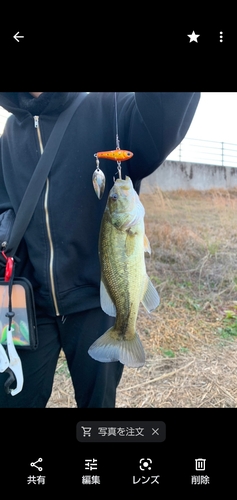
[(59, 254)]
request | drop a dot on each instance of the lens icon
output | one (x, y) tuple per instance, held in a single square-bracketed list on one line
[(145, 464)]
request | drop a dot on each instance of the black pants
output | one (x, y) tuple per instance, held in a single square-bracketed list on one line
[(94, 383)]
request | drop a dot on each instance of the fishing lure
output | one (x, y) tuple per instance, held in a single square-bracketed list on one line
[(98, 180), (118, 155)]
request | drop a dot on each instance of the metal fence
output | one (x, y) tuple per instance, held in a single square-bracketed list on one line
[(207, 152)]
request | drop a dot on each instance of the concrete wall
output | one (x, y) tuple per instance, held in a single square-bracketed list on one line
[(172, 175)]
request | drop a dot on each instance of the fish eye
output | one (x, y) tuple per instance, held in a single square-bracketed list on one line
[(114, 196)]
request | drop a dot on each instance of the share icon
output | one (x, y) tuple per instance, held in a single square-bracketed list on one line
[(33, 464)]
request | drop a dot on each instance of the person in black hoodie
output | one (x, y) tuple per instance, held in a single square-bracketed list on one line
[(59, 252)]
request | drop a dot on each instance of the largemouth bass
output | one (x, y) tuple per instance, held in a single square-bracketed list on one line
[(124, 280)]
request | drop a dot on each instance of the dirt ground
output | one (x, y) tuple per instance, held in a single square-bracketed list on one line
[(191, 339)]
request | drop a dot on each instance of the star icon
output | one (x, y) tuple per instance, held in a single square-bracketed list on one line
[(193, 37)]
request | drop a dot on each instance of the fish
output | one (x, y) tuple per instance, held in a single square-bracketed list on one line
[(116, 155), (124, 280)]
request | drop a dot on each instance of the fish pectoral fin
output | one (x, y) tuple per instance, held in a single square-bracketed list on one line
[(107, 349), (106, 302), (147, 246), (130, 243), (151, 297)]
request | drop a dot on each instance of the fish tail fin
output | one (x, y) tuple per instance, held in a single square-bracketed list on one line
[(107, 349)]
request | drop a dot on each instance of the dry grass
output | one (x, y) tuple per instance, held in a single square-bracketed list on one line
[(206, 378), (190, 341)]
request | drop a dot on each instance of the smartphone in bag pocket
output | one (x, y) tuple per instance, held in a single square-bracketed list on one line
[(24, 320)]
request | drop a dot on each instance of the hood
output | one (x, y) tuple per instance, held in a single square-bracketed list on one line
[(20, 103)]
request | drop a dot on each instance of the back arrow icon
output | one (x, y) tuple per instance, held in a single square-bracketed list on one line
[(17, 36)]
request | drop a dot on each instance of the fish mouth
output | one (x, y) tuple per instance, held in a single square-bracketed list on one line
[(124, 183), (123, 190)]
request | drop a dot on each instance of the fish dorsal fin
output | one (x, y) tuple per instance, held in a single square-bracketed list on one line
[(151, 297), (106, 302), (147, 246)]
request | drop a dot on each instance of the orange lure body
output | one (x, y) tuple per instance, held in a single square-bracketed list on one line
[(116, 155)]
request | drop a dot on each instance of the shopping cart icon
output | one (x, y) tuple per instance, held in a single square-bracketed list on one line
[(86, 431)]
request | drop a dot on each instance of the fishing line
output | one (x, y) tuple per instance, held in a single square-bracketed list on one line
[(117, 141), (116, 121), (118, 155)]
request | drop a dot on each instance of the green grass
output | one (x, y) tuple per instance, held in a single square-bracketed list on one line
[(168, 353), (229, 329), (62, 368)]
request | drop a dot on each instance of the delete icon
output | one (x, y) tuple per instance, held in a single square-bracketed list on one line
[(200, 463)]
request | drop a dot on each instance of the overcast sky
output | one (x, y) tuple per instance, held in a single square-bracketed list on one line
[(215, 118)]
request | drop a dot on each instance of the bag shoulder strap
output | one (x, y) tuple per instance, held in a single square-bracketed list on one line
[(38, 179)]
